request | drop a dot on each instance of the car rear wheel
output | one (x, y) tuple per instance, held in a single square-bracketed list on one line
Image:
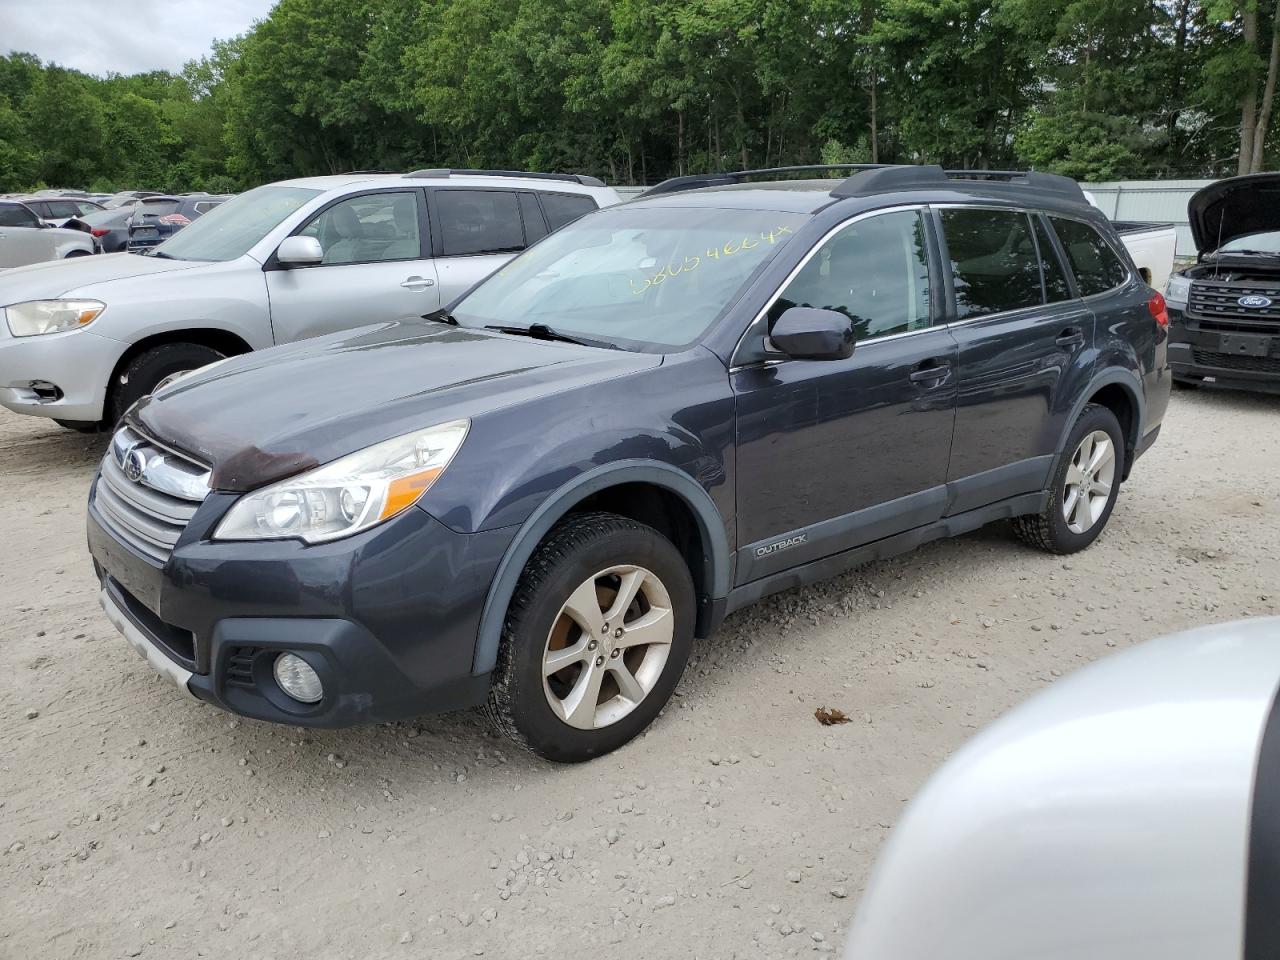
[(150, 370), (1084, 487), (595, 640)]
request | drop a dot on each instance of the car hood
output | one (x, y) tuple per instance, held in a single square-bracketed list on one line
[(57, 278), (265, 416), (1234, 208)]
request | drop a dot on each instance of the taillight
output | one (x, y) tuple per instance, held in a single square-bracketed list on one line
[(100, 232), (1158, 309), (176, 219)]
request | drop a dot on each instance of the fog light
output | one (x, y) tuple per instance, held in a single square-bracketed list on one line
[(297, 679)]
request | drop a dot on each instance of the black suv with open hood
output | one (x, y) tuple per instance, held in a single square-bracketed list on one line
[(1225, 310)]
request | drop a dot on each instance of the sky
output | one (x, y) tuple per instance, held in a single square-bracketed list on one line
[(123, 36)]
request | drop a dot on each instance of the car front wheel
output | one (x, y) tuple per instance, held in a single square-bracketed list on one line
[(595, 640)]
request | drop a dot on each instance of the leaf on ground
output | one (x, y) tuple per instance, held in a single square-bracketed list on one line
[(828, 716)]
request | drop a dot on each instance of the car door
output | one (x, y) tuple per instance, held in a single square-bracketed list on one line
[(833, 454), (23, 238), (476, 231), (1026, 350), (376, 267)]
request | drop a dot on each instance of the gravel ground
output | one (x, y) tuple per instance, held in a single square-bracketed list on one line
[(136, 822)]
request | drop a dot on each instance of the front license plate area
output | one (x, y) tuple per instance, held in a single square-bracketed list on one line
[(1244, 345)]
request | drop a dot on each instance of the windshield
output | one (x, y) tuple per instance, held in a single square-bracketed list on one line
[(642, 278), (1265, 242), (230, 229)]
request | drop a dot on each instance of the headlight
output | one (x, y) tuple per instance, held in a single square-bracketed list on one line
[(1178, 290), (51, 316), (348, 495)]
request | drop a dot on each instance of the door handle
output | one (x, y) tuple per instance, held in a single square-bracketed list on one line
[(418, 283), (1071, 337), (931, 372)]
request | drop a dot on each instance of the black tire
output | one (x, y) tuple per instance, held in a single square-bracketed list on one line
[(579, 547), (143, 373), (80, 426), (1048, 530), (77, 253)]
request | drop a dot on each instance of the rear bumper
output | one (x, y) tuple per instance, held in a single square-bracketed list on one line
[(387, 618), (1213, 356), (62, 375)]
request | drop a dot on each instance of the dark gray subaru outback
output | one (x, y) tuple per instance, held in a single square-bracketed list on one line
[(661, 413)]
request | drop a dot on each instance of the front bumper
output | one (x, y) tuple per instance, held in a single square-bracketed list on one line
[(387, 618), (1211, 356), (61, 375)]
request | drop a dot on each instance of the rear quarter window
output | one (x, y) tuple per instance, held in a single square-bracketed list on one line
[(562, 208), (1096, 266)]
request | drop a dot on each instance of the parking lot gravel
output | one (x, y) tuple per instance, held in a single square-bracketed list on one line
[(136, 822)]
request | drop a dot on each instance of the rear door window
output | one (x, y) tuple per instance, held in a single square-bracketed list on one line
[(1095, 264), (58, 209), (994, 262), (479, 221), (535, 227), (1056, 287), (562, 208)]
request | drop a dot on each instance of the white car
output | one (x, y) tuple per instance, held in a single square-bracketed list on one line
[(25, 238), (81, 342), (1130, 811)]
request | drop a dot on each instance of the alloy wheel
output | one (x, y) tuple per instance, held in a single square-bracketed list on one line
[(607, 647), (1089, 481)]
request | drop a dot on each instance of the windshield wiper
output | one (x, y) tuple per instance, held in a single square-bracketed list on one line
[(540, 331), (441, 316), (157, 253)]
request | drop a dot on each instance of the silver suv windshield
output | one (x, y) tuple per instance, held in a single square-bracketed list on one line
[(230, 229), (641, 278)]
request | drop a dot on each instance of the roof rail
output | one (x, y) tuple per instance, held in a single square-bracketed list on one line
[(445, 173), (696, 181), (909, 177)]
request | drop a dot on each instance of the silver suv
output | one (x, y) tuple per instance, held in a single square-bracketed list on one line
[(81, 341)]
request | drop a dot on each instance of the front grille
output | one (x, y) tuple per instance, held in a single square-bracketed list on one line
[(146, 495), (1233, 361), (1215, 304)]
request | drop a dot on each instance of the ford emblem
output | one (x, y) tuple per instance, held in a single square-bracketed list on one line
[(1254, 301), (135, 464)]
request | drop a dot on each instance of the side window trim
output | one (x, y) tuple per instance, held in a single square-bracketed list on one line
[(1055, 244), (423, 247), (737, 361)]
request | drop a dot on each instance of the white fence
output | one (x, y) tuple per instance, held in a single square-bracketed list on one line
[(1150, 201)]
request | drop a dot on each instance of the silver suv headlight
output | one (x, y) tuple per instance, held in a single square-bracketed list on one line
[(347, 495), (1177, 290), (38, 317)]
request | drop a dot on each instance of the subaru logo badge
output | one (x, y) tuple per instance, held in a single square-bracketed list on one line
[(134, 465), (1254, 301)]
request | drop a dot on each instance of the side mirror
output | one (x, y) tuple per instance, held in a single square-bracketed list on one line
[(299, 252), (807, 333), (1135, 802)]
